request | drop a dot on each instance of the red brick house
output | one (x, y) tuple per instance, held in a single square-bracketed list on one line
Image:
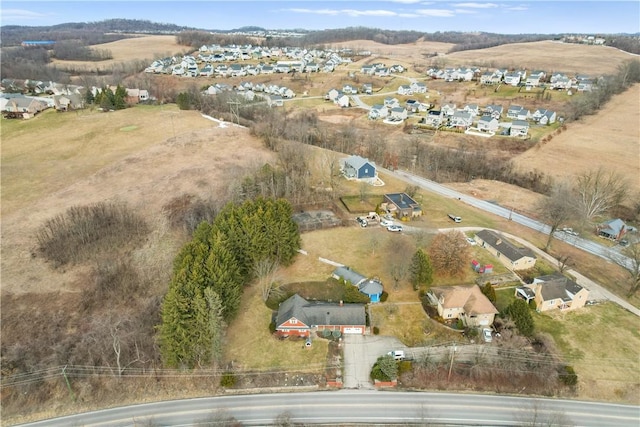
[(299, 317)]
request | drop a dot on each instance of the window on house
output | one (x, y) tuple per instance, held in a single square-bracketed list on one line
[(294, 321), (449, 315)]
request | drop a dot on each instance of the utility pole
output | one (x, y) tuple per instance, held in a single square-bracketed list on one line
[(451, 365), (66, 379), (234, 107)]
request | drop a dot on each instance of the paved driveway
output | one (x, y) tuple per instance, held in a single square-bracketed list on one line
[(360, 353)]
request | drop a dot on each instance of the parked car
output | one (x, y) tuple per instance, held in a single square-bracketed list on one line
[(363, 222), (487, 335), (394, 228), (471, 241), (455, 218), (386, 222), (397, 354), (624, 243)]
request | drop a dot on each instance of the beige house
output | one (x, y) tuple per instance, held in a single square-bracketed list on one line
[(512, 256), (465, 302), (554, 291)]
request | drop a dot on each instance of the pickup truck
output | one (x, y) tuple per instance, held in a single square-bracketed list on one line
[(455, 218)]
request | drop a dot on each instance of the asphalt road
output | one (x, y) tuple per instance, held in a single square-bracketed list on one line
[(580, 243), (358, 406)]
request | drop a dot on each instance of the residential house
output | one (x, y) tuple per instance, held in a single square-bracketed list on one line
[(24, 107), (613, 229), (512, 79), (490, 78), (487, 124), (134, 96), (517, 112), (512, 256), (68, 102), (332, 94), (554, 291), (398, 113), (434, 118), (391, 102), (464, 302), (461, 120), (494, 111), (473, 109), (405, 90), (298, 317), (348, 89), (342, 100), (544, 116), (412, 105), (371, 287), (359, 168), (519, 128), (275, 101), (419, 87), (367, 88), (378, 111), (448, 110), (401, 205)]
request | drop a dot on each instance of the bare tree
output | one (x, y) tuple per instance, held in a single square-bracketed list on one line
[(449, 253), (557, 208), (629, 259), (564, 262), (598, 191), (266, 272)]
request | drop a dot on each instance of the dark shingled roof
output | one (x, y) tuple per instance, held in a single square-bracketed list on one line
[(371, 287), (558, 286), (320, 313), (504, 246)]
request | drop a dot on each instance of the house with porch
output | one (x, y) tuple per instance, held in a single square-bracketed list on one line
[(487, 124), (614, 229), (434, 118), (511, 256), (298, 317), (464, 302), (554, 291), (519, 128)]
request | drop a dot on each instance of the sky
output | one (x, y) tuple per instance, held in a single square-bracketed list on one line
[(504, 17)]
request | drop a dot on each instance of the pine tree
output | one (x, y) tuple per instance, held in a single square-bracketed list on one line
[(489, 292), (216, 323), (421, 270), (119, 98), (519, 312), (224, 276)]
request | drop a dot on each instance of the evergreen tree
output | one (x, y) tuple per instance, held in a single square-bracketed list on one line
[(223, 276), (519, 312), (119, 98), (489, 292), (216, 323), (421, 270), (88, 97)]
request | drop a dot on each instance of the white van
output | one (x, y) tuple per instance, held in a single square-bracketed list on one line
[(397, 354)]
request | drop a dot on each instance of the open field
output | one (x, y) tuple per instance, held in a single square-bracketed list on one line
[(137, 48), (611, 139), (46, 169)]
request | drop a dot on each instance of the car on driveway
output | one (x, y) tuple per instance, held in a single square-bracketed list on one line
[(363, 222), (386, 222), (394, 228), (471, 241), (487, 335)]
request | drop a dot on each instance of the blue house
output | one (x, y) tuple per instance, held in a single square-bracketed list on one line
[(370, 287), (358, 167)]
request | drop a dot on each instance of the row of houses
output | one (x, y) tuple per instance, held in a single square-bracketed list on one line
[(272, 93), (531, 80), (306, 61), (381, 70)]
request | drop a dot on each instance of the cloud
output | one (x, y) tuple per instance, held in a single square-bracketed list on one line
[(348, 12), (476, 5), (21, 15), (517, 8), (440, 13), (406, 1)]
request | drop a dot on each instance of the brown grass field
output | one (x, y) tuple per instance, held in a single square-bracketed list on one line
[(131, 49), (149, 154)]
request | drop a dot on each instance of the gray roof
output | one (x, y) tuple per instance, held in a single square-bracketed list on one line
[(613, 226), (371, 287), (357, 162), (504, 246), (349, 275), (313, 314), (558, 286), (402, 200)]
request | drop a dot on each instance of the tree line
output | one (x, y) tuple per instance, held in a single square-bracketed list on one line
[(210, 272)]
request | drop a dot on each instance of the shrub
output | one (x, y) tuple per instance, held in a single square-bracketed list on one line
[(404, 366), (384, 296), (568, 376), (82, 232), (272, 326), (376, 330), (228, 380)]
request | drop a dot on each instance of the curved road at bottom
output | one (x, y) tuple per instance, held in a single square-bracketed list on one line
[(357, 406)]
